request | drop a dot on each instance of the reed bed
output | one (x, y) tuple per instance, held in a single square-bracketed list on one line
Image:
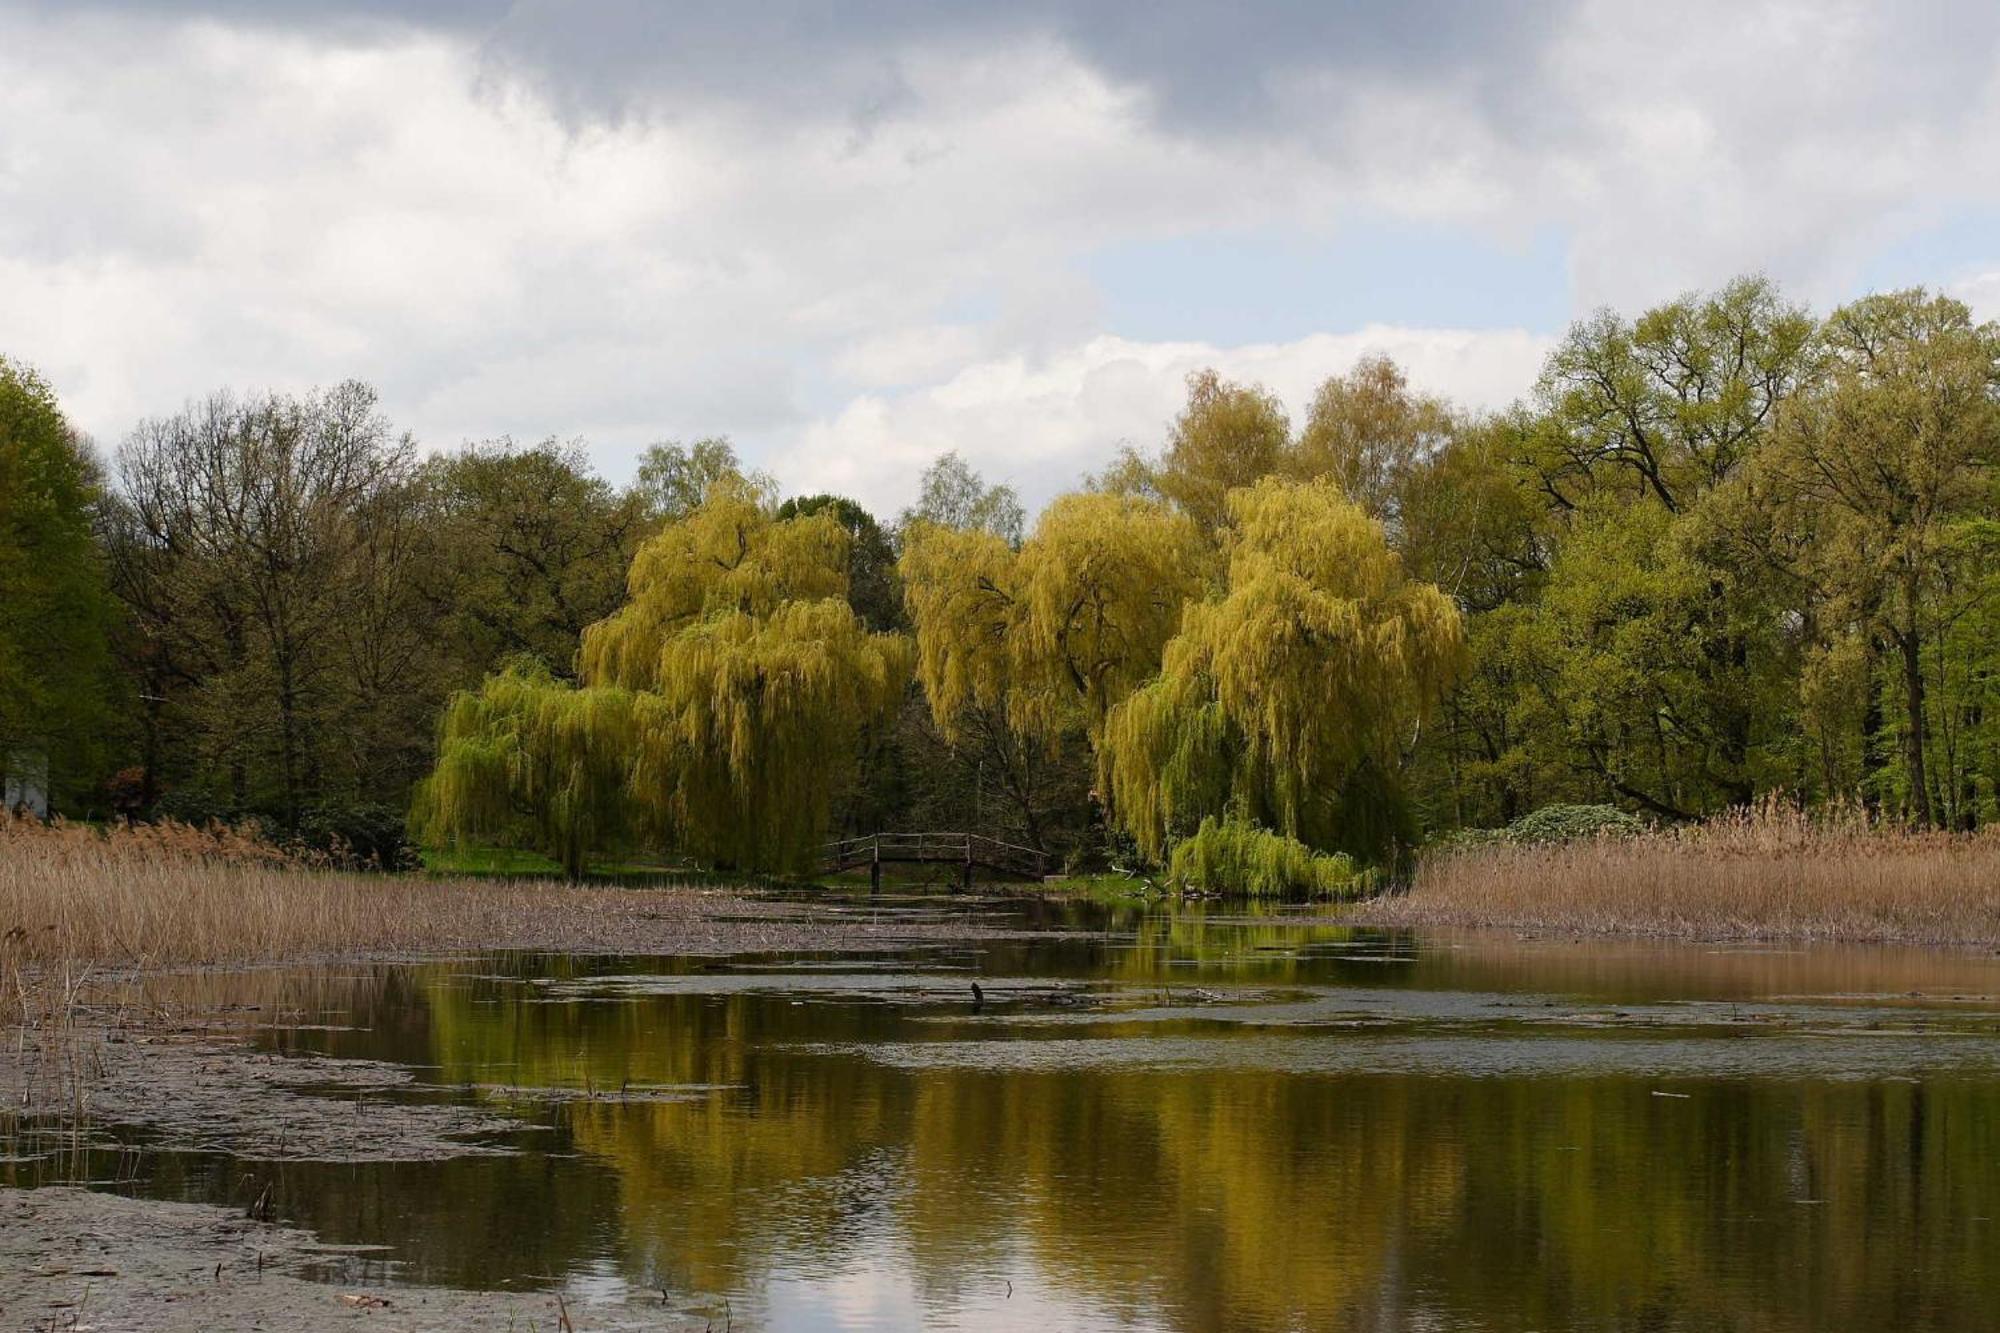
[(1772, 871), (76, 901)]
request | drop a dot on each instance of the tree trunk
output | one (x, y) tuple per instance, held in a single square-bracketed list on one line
[(1913, 730), (1871, 729)]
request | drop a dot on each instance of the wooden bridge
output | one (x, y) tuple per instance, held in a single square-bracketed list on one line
[(965, 850)]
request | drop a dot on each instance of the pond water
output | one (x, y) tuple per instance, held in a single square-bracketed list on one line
[(1187, 1120)]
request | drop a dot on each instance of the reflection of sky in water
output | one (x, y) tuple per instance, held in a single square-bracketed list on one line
[(1187, 1122)]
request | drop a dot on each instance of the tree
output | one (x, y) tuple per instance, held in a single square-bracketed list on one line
[(1025, 649), (1288, 695), (1056, 633), (674, 479), (1669, 403), (529, 546), (873, 587), (718, 710), (1370, 435), (242, 547), (1882, 475), (951, 495), (1642, 664), (1228, 436), (55, 612)]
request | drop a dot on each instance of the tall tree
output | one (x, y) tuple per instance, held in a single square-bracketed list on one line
[(673, 479), (951, 495), (1370, 435), (1228, 436), (242, 548), (1053, 634), (54, 607), (719, 709), (1285, 697), (1884, 475), (530, 546), (1670, 403)]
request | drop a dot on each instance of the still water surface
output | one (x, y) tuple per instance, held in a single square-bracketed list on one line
[(1190, 1121)]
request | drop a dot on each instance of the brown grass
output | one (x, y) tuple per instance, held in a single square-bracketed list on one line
[(75, 901), (1765, 873)]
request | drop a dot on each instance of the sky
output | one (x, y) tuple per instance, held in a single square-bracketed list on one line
[(851, 236)]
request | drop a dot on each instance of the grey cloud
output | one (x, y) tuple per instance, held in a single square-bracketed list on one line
[(1208, 66)]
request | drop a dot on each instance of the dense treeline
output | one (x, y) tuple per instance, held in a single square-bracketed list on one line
[(1723, 549)]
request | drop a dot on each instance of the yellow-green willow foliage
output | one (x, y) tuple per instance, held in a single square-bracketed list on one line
[(1314, 663), (719, 708), (1056, 633), (1230, 855), (528, 752)]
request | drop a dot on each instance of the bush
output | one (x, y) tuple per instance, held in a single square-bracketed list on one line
[(1572, 823), (334, 834), (358, 835), (196, 809), (1237, 857), (1548, 826)]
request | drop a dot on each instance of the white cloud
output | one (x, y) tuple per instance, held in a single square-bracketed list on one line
[(1981, 291), (188, 203), (1040, 424)]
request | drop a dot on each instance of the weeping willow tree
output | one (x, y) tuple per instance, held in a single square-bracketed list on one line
[(717, 710), (1056, 633), (1285, 699)]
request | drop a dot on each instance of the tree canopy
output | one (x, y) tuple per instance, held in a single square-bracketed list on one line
[(54, 607), (716, 710), (1316, 659)]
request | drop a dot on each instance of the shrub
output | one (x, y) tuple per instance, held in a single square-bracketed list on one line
[(358, 835), (1572, 823), (1235, 856)]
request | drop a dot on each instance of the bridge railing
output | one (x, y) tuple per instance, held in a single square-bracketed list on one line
[(968, 849)]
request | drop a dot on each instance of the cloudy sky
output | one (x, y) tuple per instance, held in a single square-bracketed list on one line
[(851, 235)]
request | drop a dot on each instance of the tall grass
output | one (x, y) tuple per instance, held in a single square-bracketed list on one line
[(1769, 871), (76, 900)]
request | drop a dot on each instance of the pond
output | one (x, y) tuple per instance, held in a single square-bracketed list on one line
[(1176, 1120)]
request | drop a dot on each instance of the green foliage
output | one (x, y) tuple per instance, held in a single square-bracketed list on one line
[(360, 835), (1057, 632), (718, 710), (1233, 856), (55, 614), (951, 495), (1722, 548), (674, 479), (525, 547), (1230, 436), (1573, 823), (1317, 657), (874, 589)]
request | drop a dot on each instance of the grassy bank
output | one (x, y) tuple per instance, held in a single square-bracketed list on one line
[(1769, 873)]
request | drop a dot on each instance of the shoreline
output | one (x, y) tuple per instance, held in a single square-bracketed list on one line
[(136, 1046), (181, 1068)]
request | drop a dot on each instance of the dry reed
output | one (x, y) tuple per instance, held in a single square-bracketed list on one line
[(76, 900), (1767, 872)]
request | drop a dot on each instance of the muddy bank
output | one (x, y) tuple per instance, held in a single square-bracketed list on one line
[(686, 921), (72, 1258), (195, 1093), (167, 1055)]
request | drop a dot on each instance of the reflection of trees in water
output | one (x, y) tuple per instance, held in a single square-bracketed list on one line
[(1243, 1198)]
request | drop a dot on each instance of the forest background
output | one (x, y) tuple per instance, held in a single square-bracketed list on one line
[(1725, 549)]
